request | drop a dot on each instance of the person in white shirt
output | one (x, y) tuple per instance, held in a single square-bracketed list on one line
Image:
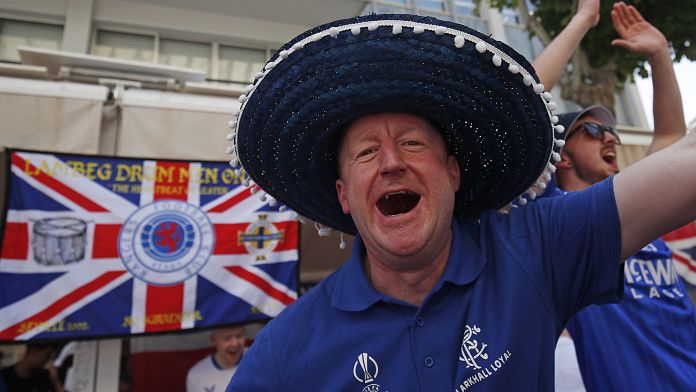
[(214, 372)]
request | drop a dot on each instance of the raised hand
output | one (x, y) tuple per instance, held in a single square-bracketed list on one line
[(637, 34)]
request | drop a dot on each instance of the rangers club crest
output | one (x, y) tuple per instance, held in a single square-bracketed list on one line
[(166, 242)]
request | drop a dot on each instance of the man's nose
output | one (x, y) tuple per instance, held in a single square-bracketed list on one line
[(391, 159), (610, 138)]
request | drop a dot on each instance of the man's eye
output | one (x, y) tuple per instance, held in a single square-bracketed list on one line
[(412, 143), (366, 152)]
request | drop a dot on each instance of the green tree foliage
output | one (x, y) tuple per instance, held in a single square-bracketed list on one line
[(598, 67)]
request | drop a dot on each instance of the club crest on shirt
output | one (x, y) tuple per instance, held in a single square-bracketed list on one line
[(365, 371), (473, 352)]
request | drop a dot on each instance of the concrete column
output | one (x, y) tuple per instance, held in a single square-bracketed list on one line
[(78, 26), (495, 21), (633, 106)]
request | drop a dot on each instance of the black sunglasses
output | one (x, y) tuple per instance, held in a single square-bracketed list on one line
[(597, 131)]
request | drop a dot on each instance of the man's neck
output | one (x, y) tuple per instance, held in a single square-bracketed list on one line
[(572, 184), (227, 364), (408, 285)]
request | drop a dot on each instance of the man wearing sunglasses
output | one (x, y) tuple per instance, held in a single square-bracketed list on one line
[(645, 343)]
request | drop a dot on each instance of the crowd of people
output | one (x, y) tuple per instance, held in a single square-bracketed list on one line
[(409, 140)]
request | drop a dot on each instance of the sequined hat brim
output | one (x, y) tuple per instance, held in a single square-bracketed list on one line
[(483, 96)]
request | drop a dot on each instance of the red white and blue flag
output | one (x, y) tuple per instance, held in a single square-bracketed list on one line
[(683, 244), (99, 246)]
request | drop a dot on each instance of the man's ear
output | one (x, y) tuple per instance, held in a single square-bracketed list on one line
[(342, 197), (565, 162)]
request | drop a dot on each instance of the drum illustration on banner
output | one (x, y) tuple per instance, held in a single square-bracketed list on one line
[(58, 241), (166, 242)]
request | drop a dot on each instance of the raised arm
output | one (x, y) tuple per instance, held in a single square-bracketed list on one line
[(639, 36), (553, 59), (656, 194)]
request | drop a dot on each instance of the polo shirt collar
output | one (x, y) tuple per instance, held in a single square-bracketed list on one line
[(354, 292)]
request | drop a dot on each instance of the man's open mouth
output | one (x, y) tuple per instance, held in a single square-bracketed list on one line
[(609, 157), (396, 203)]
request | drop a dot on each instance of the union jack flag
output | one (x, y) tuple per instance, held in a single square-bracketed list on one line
[(96, 246), (683, 244)]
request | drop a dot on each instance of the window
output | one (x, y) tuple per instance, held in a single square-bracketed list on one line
[(15, 33), (127, 46), (464, 7), (185, 54), (432, 5), (240, 64)]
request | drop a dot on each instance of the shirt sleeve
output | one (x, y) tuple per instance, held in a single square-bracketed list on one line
[(257, 371), (572, 248)]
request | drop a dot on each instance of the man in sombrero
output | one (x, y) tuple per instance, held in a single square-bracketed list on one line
[(427, 139)]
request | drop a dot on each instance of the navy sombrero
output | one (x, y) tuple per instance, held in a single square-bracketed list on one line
[(483, 97)]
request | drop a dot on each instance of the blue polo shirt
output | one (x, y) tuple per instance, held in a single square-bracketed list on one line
[(490, 323), (647, 342)]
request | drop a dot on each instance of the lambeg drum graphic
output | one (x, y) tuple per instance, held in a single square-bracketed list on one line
[(59, 241)]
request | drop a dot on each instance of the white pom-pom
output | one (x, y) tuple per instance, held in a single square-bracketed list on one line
[(439, 30), (559, 129), (560, 143), (232, 123), (269, 66), (556, 156), (372, 26), (299, 45), (242, 98), (481, 46), (263, 197), (418, 29), (522, 201), (459, 41), (234, 162), (541, 185), (283, 208), (229, 150), (547, 176), (229, 137), (506, 209), (283, 54), (552, 106), (532, 195), (538, 88), (249, 88), (396, 29), (551, 167), (258, 75), (342, 244), (238, 173), (273, 202), (497, 61), (546, 95), (554, 119), (322, 230), (527, 80), (334, 32), (513, 69), (355, 30)]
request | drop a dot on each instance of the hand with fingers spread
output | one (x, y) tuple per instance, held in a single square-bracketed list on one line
[(637, 34)]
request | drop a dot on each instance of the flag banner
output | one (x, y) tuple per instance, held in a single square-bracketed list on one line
[(683, 244), (98, 246)]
